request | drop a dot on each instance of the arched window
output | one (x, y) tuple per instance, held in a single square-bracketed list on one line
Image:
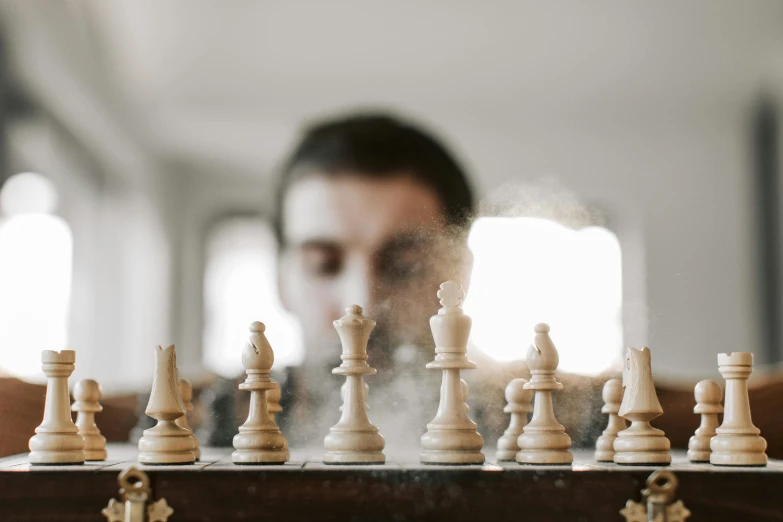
[(239, 288), (35, 274), (531, 270)]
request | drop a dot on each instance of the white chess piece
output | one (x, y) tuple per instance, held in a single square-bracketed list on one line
[(451, 437), (708, 395), (612, 396), (273, 397), (738, 442), (344, 387), (186, 392), (354, 439), (543, 440), (640, 444), (463, 386), (87, 396), (519, 405), (57, 439), (259, 440), (166, 443)]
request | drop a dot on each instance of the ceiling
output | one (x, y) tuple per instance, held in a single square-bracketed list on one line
[(230, 81)]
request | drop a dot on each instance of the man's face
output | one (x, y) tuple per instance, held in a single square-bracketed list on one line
[(378, 243)]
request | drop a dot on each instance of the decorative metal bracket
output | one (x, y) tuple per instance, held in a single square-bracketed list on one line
[(658, 503), (134, 494)]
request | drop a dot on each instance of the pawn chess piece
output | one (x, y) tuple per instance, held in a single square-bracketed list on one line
[(640, 444), (543, 440), (259, 440), (354, 439), (451, 437), (166, 442), (519, 405), (738, 442), (273, 397), (612, 396), (186, 392), (708, 395), (57, 440), (86, 396)]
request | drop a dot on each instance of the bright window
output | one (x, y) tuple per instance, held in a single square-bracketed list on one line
[(35, 274), (239, 288), (532, 270)]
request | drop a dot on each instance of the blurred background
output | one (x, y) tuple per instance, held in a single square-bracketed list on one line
[(637, 144)]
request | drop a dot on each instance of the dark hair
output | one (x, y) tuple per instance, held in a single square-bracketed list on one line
[(377, 145)]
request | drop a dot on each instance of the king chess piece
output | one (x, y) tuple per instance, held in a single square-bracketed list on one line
[(259, 440), (57, 440), (543, 440), (86, 397), (640, 444), (166, 442), (354, 439), (186, 392), (451, 437), (612, 396), (519, 404), (737, 441)]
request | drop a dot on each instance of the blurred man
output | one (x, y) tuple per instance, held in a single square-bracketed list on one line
[(371, 211)]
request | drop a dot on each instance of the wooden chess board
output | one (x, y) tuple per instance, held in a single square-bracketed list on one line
[(214, 489)]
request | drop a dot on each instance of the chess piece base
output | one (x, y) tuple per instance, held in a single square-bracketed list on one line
[(165, 444), (738, 450), (507, 447), (604, 449), (351, 457), (94, 447), (506, 455), (642, 449), (544, 447), (451, 457), (259, 447), (699, 449), (548, 457), (56, 448)]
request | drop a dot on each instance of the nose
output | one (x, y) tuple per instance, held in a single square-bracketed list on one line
[(357, 285)]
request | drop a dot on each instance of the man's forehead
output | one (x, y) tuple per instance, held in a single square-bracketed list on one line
[(352, 209)]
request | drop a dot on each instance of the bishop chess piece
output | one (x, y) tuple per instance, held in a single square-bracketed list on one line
[(543, 440), (519, 404), (354, 439), (451, 437), (738, 442), (186, 392), (612, 396), (259, 440), (87, 395), (57, 439), (166, 442), (640, 444)]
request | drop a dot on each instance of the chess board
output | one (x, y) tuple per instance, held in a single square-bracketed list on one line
[(214, 489)]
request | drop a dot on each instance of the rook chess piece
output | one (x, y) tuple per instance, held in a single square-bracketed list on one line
[(354, 439), (519, 405), (259, 440), (612, 396), (708, 395), (87, 395), (543, 440), (737, 442), (186, 392), (57, 439), (640, 444), (451, 437), (166, 443)]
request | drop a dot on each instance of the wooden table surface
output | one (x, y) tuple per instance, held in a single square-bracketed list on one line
[(215, 489)]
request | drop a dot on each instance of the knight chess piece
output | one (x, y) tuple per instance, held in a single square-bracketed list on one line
[(640, 444), (87, 396), (166, 443), (451, 437), (57, 440), (259, 440), (543, 440), (612, 395), (519, 404), (354, 439), (186, 392), (737, 441)]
